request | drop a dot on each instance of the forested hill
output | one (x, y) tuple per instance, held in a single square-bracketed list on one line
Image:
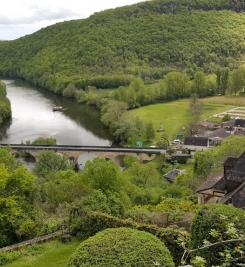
[(147, 39)]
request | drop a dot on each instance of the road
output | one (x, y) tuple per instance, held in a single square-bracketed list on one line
[(133, 150)]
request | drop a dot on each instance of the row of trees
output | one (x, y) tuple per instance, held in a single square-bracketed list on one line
[(174, 85)]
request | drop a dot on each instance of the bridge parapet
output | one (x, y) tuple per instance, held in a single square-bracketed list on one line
[(144, 154)]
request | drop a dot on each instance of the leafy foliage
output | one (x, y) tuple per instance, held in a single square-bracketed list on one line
[(17, 218), (145, 40), (42, 141), (50, 162), (216, 223), (5, 107), (121, 247), (92, 222), (213, 159)]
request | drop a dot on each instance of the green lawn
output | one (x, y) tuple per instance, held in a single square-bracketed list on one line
[(52, 254), (173, 116)]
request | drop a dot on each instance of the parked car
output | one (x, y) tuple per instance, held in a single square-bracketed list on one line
[(176, 142)]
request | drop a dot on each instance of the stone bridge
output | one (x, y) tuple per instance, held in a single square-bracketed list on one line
[(74, 152)]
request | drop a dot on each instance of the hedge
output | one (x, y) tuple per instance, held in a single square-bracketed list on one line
[(89, 223), (121, 247)]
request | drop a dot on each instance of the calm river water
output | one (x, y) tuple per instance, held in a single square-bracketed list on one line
[(33, 117)]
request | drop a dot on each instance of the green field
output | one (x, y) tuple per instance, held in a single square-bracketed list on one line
[(173, 116), (51, 254), (225, 100)]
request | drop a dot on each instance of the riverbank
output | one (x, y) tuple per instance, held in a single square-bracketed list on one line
[(5, 106)]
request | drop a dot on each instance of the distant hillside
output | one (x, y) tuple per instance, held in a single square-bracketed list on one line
[(147, 39)]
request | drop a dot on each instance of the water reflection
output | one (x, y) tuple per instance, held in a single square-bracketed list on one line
[(33, 116)]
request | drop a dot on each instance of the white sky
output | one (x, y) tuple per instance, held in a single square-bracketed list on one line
[(21, 17)]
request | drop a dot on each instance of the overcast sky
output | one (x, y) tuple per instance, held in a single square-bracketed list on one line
[(21, 17)]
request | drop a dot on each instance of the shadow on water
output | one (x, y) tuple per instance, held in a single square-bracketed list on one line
[(87, 117)]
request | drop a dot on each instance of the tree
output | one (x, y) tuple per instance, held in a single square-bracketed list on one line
[(196, 111), (64, 187), (96, 201), (70, 91), (199, 84), (176, 84), (42, 141), (126, 129), (212, 159), (17, 215), (238, 80), (50, 162), (211, 84), (222, 80), (5, 106), (102, 175), (150, 131), (112, 112)]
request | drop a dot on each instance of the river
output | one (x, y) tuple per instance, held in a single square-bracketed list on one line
[(33, 117)]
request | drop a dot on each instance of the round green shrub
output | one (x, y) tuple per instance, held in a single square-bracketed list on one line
[(215, 217), (121, 247)]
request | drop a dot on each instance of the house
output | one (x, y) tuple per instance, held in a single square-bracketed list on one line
[(229, 125), (239, 132), (196, 143), (233, 124), (206, 125), (217, 136), (228, 188), (239, 123), (172, 175)]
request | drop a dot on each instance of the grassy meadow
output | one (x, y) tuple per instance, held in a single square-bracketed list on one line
[(225, 100), (51, 254), (173, 116)]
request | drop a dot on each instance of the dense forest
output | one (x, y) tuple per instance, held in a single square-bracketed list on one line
[(147, 40), (5, 107)]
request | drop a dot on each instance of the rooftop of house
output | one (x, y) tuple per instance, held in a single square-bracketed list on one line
[(196, 141), (234, 123), (239, 123), (211, 182), (219, 133), (239, 166), (171, 176), (207, 124), (230, 162), (230, 123)]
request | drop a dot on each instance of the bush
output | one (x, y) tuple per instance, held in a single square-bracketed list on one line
[(215, 219), (88, 224), (121, 247)]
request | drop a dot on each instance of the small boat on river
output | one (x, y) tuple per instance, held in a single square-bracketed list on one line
[(58, 108)]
